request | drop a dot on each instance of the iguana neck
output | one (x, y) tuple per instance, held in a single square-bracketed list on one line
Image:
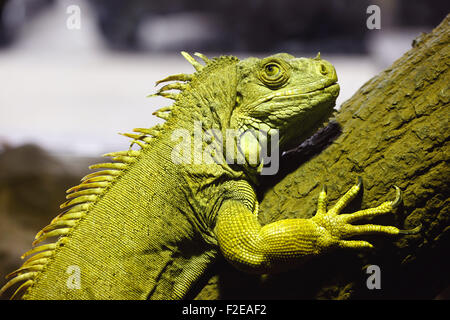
[(201, 114), (209, 98)]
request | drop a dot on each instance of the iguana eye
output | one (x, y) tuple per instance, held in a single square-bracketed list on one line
[(273, 74), (272, 69)]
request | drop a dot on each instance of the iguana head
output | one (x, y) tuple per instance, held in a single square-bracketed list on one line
[(284, 93), (257, 99)]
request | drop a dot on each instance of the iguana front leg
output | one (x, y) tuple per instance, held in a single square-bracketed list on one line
[(278, 245)]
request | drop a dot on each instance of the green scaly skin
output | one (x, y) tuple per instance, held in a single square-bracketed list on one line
[(147, 226)]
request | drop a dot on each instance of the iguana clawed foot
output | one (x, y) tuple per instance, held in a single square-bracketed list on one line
[(337, 227)]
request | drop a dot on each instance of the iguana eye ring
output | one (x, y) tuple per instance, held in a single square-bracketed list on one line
[(273, 74)]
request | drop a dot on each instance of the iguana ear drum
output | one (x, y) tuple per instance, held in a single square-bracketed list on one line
[(273, 73)]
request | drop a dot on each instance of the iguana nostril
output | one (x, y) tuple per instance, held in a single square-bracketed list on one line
[(323, 69)]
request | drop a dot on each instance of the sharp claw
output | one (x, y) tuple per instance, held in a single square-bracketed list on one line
[(324, 188), (415, 230), (359, 183), (398, 197)]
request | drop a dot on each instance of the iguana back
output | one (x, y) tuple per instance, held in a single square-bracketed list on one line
[(143, 245)]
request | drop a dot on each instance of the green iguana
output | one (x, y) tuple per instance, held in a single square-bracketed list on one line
[(149, 224)]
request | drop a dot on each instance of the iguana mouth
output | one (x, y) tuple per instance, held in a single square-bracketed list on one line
[(301, 92), (332, 89)]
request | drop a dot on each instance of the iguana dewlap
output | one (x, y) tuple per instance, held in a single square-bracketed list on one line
[(147, 225)]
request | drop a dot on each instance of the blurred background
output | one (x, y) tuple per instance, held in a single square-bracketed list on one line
[(74, 73)]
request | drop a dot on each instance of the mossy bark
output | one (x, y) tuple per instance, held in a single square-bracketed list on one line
[(395, 131)]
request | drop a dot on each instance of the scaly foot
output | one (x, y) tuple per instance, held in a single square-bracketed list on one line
[(337, 227)]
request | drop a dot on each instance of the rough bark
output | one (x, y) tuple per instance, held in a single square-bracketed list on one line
[(394, 131)]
